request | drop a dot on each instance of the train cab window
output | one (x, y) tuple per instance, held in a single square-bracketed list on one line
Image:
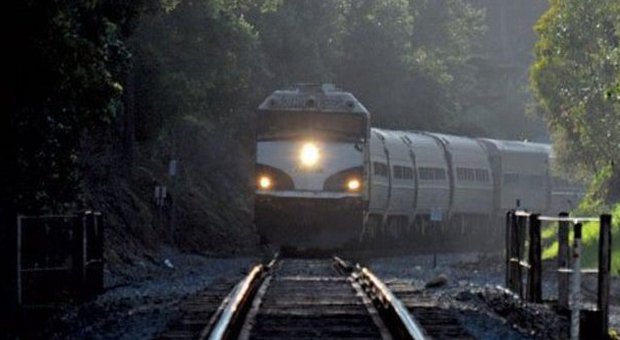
[(380, 169)]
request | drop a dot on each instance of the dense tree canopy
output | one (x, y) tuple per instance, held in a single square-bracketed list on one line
[(576, 71), (130, 72), (65, 80)]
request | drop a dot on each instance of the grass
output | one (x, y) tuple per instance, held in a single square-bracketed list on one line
[(590, 233)]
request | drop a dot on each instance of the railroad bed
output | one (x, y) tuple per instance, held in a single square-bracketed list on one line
[(313, 299), (310, 299)]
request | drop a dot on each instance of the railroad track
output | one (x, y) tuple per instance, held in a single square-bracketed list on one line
[(313, 299)]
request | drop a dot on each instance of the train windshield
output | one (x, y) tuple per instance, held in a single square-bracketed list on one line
[(324, 125)]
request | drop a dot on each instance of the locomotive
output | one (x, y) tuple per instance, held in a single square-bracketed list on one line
[(325, 179), (311, 167)]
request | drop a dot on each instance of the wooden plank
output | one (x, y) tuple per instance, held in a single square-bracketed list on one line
[(563, 257), (604, 264)]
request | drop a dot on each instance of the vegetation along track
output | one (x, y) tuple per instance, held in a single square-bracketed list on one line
[(316, 298)]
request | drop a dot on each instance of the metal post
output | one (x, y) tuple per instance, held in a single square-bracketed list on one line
[(534, 283), (604, 263), (563, 261), (575, 291)]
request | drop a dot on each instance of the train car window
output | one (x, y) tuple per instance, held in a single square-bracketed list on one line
[(402, 172), (432, 174), (407, 173), (397, 171), (381, 169), (460, 174), (482, 175), (425, 173), (511, 178), (466, 174), (440, 174)]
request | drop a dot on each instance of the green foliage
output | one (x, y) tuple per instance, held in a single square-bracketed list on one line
[(577, 63), (590, 239), (200, 59), (407, 60), (301, 41), (97, 68), (222, 57), (74, 58), (593, 204)]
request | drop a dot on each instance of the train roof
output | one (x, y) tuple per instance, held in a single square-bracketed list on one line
[(314, 97), (518, 146)]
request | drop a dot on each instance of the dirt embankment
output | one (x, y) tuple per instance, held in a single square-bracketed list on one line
[(207, 208)]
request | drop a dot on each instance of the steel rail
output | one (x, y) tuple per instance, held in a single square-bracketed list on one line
[(389, 302), (234, 305)]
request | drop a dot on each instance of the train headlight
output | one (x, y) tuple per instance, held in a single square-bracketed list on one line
[(309, 154), (264, 182), (354, 184)]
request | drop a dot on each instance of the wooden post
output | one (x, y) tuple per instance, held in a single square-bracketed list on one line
[(19, 262), (604, 264), (563, 261), (508, 250), (520, 244), (79, 252), (534, 283), (575, 289), (514, 255), (97, 254)]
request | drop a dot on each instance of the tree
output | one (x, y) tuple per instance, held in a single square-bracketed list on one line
[(301, 41), (70, 59), (577, 63), (407, 60)]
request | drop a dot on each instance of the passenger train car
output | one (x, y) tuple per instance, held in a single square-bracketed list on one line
[(325, 179)]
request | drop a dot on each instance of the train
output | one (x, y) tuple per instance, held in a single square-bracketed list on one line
[(326, 179)]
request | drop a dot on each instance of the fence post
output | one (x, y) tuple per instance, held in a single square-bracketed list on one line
[(79, 252), (604, 264), (521, 225), (563, 258), (508, 232), (534, 284), (96, 255), (514, 255), (18, 262), (575, 290)]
